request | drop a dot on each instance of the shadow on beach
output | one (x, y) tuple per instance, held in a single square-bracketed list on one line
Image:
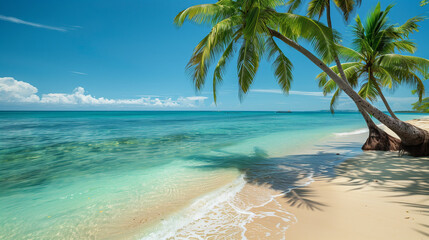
[(286, 174), (283, 174), (397, 176)]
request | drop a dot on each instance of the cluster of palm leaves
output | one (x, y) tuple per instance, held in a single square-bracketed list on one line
[(376, 62), (244, 27), (422, 106), (316, 8)]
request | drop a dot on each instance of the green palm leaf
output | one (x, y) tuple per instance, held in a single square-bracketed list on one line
[(250, 23), (248, 63), (282, 65)]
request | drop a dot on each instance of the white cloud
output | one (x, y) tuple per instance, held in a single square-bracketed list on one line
[(19, 21), (14, 91), (197, 98), (79, 73), (278, 91)]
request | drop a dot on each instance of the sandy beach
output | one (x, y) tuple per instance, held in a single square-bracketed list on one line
[(370, 195), (376, 195)]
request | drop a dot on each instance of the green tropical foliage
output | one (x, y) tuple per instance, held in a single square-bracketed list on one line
[(316, 8), (375, 60), (422, 106), (245, 27)]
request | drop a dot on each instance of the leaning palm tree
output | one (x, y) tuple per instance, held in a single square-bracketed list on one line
[(252, 26), (375, 61), (377, 138)]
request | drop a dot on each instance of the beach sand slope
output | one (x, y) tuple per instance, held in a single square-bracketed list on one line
[(376, 195)]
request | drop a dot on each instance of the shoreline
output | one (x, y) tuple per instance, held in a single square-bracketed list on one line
[(324, 200), (258, 208)]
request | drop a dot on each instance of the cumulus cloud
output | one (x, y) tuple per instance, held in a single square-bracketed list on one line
[(38, 25), (14, 91), (278, 91)]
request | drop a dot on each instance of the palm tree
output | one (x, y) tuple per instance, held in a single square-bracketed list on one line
[(253, 24), (247, 25), (377, 138), (374, 59)]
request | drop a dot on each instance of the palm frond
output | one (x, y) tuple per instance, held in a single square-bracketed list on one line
[(321, 37), (352, 70), (316, 8), (399, 45), (334, 100), (211, 45), (347, 7), (293, 5), (220, 68), (207, 13), (248, 63), (368, 90), (282, 65), (348, 54), (410, 26)]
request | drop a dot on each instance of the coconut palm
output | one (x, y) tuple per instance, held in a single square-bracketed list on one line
[(253, 25), (377, 138), (375, 61), (246, 25)]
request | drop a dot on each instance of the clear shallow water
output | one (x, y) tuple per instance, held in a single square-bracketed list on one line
[(68, 175)]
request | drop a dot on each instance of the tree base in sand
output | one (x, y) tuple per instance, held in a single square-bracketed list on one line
[(418, 150), (379, 140)]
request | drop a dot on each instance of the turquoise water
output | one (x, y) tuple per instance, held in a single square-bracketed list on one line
[(69, 175)]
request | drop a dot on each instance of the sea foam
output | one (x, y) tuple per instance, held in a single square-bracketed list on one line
[(227, 212), (197, 210), (355, 132)]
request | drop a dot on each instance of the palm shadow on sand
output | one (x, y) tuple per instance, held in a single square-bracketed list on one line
[(279, 173), (291, 171)]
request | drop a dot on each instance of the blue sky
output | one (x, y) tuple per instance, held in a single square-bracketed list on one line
[(128, 55)]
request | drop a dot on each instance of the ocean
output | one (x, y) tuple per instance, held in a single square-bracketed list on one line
[(155, 175)]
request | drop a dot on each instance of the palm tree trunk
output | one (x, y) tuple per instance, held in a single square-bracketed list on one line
[(337, 60), (414, 140), (385, 102), (377, 139)]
